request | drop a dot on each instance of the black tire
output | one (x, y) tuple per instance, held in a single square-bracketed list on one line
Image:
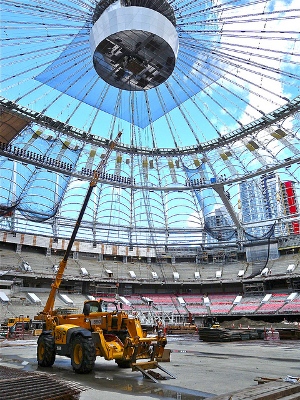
[(83, 354), (123, 363), (46, 350)]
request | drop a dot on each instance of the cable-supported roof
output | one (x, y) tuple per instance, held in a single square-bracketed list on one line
[(227, 116)]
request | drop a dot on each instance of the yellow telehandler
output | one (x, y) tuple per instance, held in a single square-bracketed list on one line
[(113, 335)]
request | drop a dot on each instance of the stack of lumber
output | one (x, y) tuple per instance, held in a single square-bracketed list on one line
[(226, 335)]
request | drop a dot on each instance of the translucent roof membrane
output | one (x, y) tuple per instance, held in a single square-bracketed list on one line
[(237, 67), (73, 73)]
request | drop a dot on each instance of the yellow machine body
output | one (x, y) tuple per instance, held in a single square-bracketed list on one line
[(13, 321), (114, 335)]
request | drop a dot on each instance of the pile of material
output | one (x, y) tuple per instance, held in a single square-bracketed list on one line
[(16, 384), (227, 335), (180, 329), (268, 391)]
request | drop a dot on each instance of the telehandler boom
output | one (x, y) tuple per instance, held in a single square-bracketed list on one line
[(112, 335)]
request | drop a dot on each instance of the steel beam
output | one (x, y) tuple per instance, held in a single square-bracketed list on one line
[(267, 120)]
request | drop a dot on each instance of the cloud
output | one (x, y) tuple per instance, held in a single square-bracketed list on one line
[(253, 79)]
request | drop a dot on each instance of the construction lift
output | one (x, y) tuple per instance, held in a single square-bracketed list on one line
[(113, 335)]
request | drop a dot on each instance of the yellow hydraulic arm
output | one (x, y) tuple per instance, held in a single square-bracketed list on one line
[(50, 302)]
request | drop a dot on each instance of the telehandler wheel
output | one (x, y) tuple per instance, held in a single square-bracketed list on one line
[(123, 364), (46, 350), (83, 354)]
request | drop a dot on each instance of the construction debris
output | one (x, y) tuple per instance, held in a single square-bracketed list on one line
[(229, 335)]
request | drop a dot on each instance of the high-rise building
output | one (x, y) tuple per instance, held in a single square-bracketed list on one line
[(262, 201), (252, 205), (218, 224)]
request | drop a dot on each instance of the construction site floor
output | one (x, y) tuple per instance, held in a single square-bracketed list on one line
[(202, 369)]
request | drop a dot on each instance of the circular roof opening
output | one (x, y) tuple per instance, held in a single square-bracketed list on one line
[(134, 48)]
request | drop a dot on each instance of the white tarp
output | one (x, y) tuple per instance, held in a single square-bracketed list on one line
[(206, 301), (176, 276), (132, 274), (266, 298), (65, 299), (3, 297), (34, 298), (124, 300), (291, 268), (147, 300), (84, 271), (237, 299), (26, 267), (181, 301), (292, 296)]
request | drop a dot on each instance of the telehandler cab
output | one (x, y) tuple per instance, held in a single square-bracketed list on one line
[(113, 335)]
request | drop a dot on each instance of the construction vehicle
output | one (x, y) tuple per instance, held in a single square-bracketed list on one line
[(112, 335), (14, 320), (16, 327), (13, 323)]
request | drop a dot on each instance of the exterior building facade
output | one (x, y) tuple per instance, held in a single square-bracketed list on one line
[(267, 198), (290, 205)]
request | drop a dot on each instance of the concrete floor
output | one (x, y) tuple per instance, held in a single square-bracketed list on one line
[(202, 369)]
